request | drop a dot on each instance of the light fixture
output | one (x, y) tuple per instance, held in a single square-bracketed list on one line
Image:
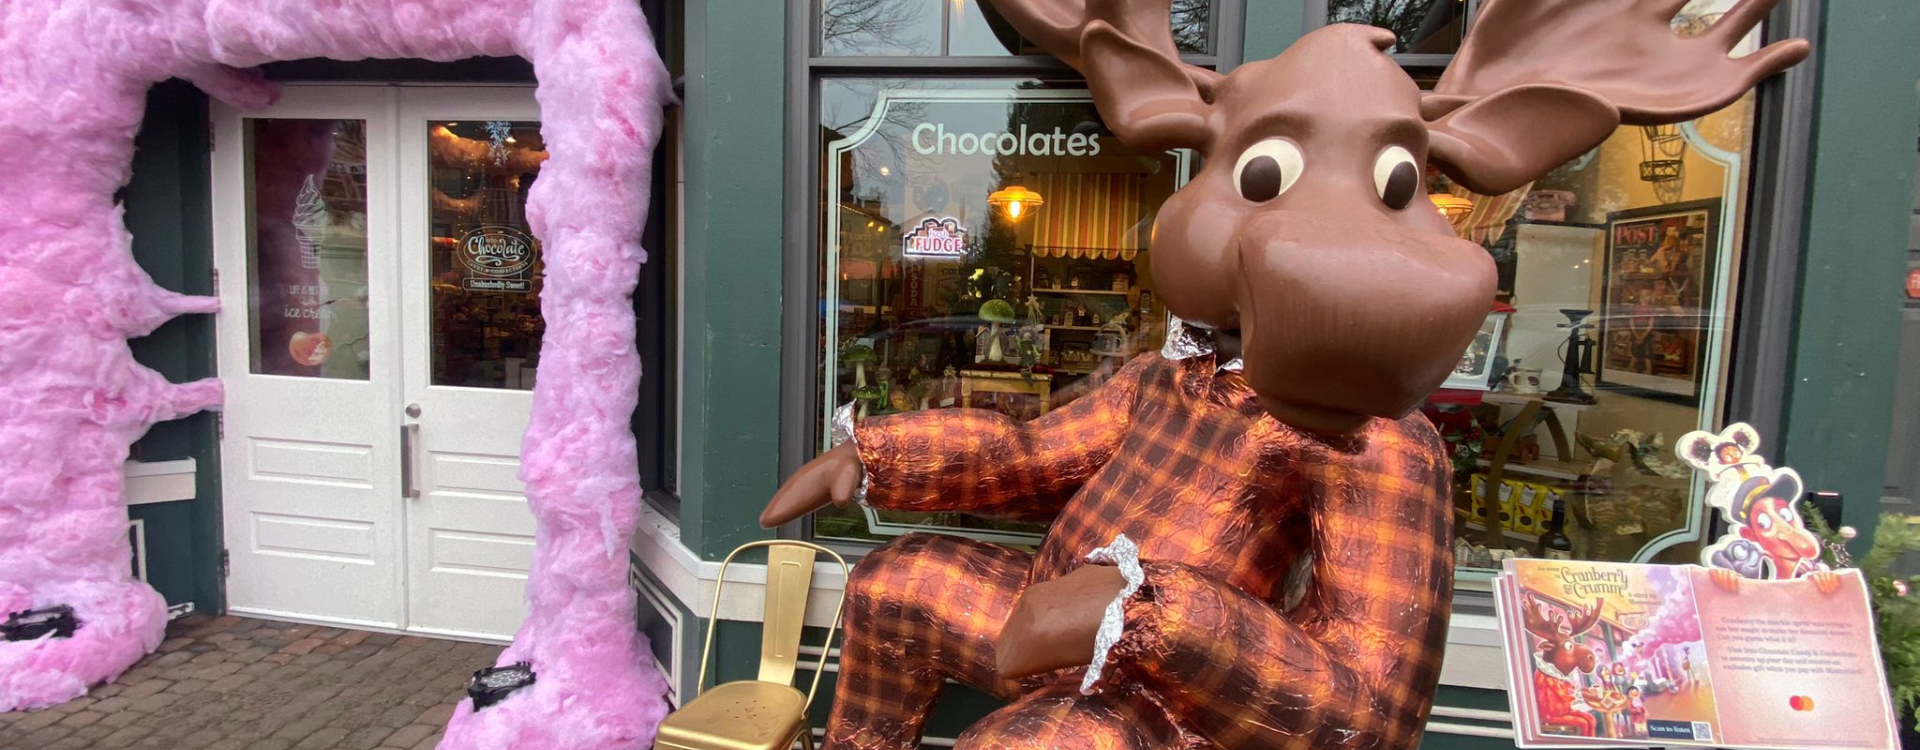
[(1014, 201), (494, 684), (37, 623), (1451, 206)]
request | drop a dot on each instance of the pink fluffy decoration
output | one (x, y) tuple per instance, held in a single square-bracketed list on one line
[(72, 399)]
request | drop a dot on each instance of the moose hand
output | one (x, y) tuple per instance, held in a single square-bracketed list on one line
[(1727, 580), (831, 478), (1825, 581), (1053, 625)]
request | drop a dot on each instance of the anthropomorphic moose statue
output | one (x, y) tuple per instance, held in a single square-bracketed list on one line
[(1289, 512)]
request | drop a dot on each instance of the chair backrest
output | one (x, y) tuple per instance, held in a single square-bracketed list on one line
[(789, 580)]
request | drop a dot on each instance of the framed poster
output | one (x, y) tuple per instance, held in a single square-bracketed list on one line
[(1657, 300)]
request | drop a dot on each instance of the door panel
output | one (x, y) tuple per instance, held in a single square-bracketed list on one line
[(470, 280), (303, 220)]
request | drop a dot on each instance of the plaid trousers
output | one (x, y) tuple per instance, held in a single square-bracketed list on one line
[(1224, 646)]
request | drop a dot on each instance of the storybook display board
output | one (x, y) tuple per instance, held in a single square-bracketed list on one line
[(1762, 646), (1621, 655)]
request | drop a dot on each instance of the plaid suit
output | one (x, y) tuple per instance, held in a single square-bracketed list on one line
[(1219, 651)]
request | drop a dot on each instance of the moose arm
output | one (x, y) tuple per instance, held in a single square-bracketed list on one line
[(1355, 664), (980, 461)]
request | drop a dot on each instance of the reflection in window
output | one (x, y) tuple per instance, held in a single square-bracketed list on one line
[(307, 295), (1617, 271), (932, 28), (486, 265), (1421, 26), (983, 244)]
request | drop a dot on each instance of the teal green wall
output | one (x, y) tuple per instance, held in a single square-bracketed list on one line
[(168, 213), (734, 126), (1846, 332)]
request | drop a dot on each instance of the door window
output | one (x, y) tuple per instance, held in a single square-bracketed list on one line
[(485, 273), (307, 293)]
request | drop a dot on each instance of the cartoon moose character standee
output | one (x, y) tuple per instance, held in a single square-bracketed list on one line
[(1291, 521), (1557, 664)]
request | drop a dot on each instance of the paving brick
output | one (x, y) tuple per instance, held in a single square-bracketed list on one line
[(36, 720), (81, 719), (154, 703), (432, 741), (146, 688), (230, 683), (321, 739)]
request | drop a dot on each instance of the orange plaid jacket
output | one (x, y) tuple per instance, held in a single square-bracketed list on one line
[(1225, 503)]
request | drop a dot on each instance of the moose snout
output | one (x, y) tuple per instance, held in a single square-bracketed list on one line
[(1341, 323)]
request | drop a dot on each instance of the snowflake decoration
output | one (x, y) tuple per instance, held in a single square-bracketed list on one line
[(498, 131)]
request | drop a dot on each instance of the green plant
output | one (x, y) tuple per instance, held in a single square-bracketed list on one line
[(1896, 613)]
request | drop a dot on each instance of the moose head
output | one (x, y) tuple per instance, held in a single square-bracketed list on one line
[(1560, 636), (1308, 233)]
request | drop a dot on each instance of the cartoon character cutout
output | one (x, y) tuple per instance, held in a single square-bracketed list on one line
[(1766, 538)]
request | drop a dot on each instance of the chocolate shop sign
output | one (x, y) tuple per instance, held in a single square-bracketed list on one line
[(497, 259), (930, 139)]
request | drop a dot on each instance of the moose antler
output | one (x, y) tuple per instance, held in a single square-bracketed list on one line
[(1538, 82), (1623, 51), (1125, 48)]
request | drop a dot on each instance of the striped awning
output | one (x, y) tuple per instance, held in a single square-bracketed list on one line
[(1088, 216)]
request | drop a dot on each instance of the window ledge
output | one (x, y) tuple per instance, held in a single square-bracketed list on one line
[(1474, 658)]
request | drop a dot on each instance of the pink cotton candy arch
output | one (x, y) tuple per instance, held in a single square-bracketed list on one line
[(72, 399)]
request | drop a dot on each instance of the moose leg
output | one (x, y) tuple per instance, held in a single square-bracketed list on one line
[(1058, 717), (919, 610)]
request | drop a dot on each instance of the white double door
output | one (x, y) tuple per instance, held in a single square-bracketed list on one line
[(378, 341)]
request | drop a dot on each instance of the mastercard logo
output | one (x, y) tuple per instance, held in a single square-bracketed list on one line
[(1800, 703)]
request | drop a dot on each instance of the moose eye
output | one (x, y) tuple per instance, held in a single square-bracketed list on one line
[(1267, 169), (1395, 177)]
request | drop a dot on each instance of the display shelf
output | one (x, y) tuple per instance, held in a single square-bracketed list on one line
[(1075, 328), (1518, 399), (1562, 470), (1080, 291)]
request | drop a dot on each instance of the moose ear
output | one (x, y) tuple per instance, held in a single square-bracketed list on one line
[(1148, 98), (1497, 143)]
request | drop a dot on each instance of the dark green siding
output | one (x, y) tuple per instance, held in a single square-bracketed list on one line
[(168, 213)]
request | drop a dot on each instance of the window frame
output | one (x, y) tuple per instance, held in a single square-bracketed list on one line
[(656, 415), (806, 68)]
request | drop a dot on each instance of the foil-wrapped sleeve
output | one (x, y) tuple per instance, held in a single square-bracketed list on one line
[(979, 461), (1356, 663)]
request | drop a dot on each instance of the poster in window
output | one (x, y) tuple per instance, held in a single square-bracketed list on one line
[(1657, 301)]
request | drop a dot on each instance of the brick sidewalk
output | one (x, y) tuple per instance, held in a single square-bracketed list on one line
[(230, 683)]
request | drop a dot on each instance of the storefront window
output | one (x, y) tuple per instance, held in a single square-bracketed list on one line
[(931, 28), (984, 244), (308, 241), (1608, 340)]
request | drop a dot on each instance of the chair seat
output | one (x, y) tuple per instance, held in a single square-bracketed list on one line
[(745, 715)]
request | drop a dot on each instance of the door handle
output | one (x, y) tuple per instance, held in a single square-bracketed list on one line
[(409, 444)]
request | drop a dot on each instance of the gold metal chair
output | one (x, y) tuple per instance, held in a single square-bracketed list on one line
[(766, 713)]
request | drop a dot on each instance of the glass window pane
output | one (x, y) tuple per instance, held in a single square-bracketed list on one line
[(486, 269), (985, 244), (880, 27), (1618, 269), (307, 290), (1422, 26), (975, 28)]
